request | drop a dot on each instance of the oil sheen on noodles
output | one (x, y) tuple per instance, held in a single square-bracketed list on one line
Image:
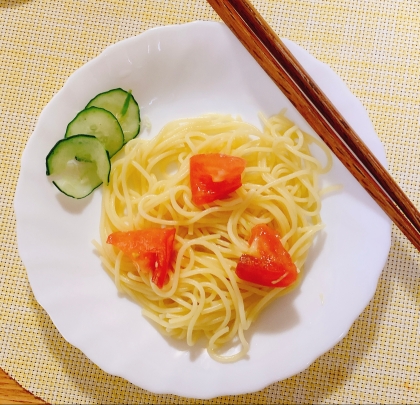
[(149, 187)]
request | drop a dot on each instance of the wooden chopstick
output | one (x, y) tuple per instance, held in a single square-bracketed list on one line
[(271, 41), (286, 72)]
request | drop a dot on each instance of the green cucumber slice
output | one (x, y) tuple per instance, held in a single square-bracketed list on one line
[(124, 107), (79, 164), (100, 123)]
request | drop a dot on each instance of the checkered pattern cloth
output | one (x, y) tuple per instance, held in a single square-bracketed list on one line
[(373, 45)]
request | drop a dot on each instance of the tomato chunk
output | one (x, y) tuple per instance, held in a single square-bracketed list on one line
[(151, 249), (267, 262), (213, 176)]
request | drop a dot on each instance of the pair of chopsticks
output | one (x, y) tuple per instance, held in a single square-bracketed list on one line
[(286, 72)]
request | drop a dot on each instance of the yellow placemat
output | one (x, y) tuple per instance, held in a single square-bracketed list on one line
[(373, 45)]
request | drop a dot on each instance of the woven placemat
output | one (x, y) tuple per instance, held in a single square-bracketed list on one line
[(372, 45)]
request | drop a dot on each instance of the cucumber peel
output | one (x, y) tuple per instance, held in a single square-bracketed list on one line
[(126, 103)]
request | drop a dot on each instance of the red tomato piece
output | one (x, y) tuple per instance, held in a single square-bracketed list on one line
[(151, 249), (213, 176), (267, 263)]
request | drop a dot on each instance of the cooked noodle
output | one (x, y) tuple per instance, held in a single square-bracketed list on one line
[(149, 187)]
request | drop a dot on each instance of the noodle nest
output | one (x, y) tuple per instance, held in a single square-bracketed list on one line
[(149, 187)]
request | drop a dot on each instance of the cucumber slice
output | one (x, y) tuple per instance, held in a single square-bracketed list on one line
[(79, 164), (124, 107), (100, 123)]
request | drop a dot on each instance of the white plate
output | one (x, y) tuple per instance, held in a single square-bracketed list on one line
[(182, 71)]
